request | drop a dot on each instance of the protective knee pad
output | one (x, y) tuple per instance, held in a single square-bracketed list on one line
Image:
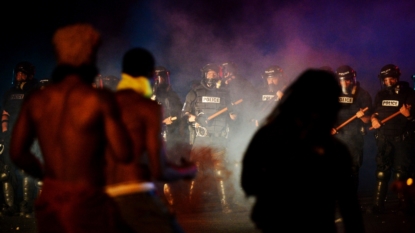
[(4, 174), (382, 175), (400, 174)]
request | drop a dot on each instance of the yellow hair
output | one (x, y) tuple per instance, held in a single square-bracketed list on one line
[(76, 44), (141, 85)]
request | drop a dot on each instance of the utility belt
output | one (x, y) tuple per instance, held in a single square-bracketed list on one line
[(398, 138), (355, 131), (203, 132)]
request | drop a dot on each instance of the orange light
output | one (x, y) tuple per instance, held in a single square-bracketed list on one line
[(409, 181)]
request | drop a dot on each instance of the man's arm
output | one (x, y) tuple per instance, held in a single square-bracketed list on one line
[(119, 142), (23, 136)]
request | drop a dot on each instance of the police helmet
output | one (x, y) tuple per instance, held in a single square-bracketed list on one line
[(209, 67), (212, 81), (161, 75), (389, 70), (229, 67), (346, 72), (25, 67), (273, 71)]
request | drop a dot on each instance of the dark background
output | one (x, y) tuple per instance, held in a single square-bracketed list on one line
[(184, 35)]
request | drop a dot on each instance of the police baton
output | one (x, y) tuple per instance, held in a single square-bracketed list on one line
[(349, 120), (222, 110), (388, 118)]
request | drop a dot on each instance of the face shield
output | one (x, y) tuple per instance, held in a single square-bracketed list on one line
[(390, 81), (346, 84), (211, 77), (161, 81), (272, 83)]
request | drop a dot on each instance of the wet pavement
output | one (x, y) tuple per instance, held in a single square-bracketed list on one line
[(212, 219)]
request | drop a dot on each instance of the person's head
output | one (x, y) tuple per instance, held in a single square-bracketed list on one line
[(389, 75), (161, 78), (138, 62), (229, 71), (23, 72), (210, 75), (309, 104), (347, 78), (326, 68), (76, 45), (272, 77)]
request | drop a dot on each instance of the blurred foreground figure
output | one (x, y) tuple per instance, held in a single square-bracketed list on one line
[(74, 124), (132, 185), (313, 169)]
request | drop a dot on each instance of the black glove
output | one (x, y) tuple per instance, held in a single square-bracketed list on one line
[(202, 120)]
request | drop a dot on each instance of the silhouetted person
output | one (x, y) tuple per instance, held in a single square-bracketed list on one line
[(74, 124), (132, 185), (309, 170)]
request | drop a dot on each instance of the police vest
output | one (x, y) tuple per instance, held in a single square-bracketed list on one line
[(388, 103), (350, 105), (209, 102)]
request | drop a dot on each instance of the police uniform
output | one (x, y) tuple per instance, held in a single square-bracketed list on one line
[(268, 93), (209, 146), (352, 99), (352, 134), (394, 146), (16, 184)]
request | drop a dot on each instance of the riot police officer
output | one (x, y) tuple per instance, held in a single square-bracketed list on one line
[(13, 180), (203, 107), (173, 131), (243, 94), (273, 78), (356, 104), (164, 94), (392, 118)]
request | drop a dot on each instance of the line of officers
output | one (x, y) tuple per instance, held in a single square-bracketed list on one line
[(220, 114)]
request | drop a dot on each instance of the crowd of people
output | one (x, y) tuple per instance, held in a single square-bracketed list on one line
[(108, 154)]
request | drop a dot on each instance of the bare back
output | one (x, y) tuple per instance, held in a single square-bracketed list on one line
[(142, 118), (74, 123)]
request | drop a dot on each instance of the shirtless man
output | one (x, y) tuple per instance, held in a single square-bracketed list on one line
[(132, 185), (74, 124)]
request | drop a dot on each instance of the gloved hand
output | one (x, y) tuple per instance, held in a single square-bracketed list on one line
[(201, 119)]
